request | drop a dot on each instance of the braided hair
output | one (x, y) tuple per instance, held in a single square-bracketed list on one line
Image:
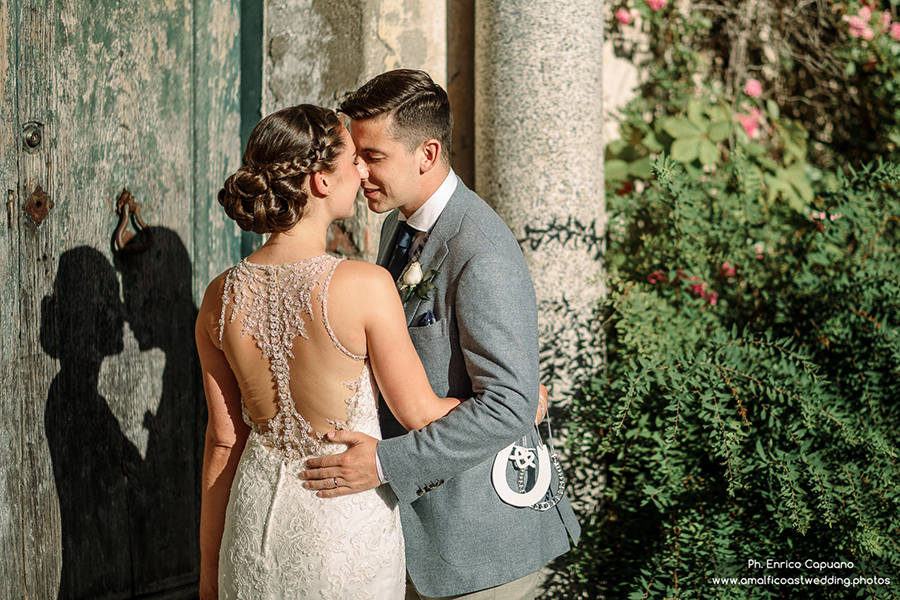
[(267, 195)]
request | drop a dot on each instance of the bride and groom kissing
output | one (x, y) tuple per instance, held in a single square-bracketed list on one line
[(301, 496)]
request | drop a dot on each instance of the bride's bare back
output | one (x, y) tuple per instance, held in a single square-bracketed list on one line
[(294, 374)]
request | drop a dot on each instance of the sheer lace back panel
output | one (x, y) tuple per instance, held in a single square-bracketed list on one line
[(297, 380)]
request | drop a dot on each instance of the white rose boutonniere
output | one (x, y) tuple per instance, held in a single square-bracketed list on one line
[(416, 281)]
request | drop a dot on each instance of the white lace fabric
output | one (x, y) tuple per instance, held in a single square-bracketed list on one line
[(280, 539)]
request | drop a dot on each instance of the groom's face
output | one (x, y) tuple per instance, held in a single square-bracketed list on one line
[(390, 173)]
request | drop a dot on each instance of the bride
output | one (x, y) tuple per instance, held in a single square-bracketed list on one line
[(291, 341)]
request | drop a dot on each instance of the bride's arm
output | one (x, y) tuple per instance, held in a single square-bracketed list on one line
[(397, 368), (226, 434)]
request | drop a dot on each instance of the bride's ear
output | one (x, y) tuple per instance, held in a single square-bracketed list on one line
[(320, 184)]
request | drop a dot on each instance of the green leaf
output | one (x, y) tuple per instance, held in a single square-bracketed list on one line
[(642, 168), (423, 289), (773, 109), (651, 143), (796, 176), (615, 147), (695, 114), (754, 149), (720, 131), (616, 169), (681, 127), (708, 152), (686, 149)]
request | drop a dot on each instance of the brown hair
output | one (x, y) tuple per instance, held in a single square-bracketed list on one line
[(420, 107), (266, 194)]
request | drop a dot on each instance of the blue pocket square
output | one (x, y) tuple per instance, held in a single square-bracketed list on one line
[(426, 319)]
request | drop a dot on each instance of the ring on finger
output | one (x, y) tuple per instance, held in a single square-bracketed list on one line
[(335, 481)]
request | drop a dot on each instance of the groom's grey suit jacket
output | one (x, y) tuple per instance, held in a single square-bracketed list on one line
[(483, 348)]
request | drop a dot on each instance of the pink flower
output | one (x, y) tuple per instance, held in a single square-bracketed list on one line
[(728, 270), (753, 88), (895, 32), (885, 19), (656, 277), (656, 4), (750, 123), (867, 33), (857, 25), (623, 16), (760, 248), (712, 297)]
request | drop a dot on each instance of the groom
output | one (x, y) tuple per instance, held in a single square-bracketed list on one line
[(477, 337)]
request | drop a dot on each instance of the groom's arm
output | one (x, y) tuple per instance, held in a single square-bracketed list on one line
[(496, 315)]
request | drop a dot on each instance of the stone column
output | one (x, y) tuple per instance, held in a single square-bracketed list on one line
[(539, 163), (318, 51)]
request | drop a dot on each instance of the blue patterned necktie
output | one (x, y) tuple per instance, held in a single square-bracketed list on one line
[(401, 252)]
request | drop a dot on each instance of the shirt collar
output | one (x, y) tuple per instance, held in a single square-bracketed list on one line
[(427, 215)]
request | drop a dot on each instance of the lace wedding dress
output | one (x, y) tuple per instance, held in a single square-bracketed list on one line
[(280, 539)]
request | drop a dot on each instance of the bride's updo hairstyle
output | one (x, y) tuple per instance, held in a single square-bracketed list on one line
[(267, 195)]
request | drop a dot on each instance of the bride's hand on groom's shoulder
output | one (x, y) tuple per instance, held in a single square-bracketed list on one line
[(350, 472)]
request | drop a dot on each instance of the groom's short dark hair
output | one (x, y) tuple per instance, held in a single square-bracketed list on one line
[(420, 107)]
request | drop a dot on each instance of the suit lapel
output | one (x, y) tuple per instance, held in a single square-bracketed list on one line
[(435, 249)]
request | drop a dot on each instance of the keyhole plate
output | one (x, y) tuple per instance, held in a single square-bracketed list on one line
[(38, 205)]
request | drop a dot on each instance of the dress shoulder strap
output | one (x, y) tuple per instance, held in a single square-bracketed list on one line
[(323, 298)]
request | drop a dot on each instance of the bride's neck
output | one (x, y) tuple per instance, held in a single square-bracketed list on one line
[(304, 240)]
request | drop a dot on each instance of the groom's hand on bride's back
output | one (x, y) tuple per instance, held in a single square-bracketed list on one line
[(352, 471)]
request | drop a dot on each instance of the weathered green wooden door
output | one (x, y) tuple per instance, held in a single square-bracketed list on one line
[(101, 419)]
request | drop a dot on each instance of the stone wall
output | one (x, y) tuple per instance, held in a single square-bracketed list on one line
[(318, 51)]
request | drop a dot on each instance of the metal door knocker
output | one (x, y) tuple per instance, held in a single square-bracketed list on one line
[(125, 242)]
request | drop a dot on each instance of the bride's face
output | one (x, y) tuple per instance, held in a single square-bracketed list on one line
[(346, 178)]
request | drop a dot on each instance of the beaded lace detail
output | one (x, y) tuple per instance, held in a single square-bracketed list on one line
[(275, 301), (280, 540)]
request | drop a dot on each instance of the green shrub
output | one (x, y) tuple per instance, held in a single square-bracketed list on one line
[(750, 407), (750, 410)]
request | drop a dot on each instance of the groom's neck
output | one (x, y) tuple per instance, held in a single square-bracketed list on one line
[(428, 185)]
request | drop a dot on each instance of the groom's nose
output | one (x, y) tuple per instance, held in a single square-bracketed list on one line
[(363, 169)]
